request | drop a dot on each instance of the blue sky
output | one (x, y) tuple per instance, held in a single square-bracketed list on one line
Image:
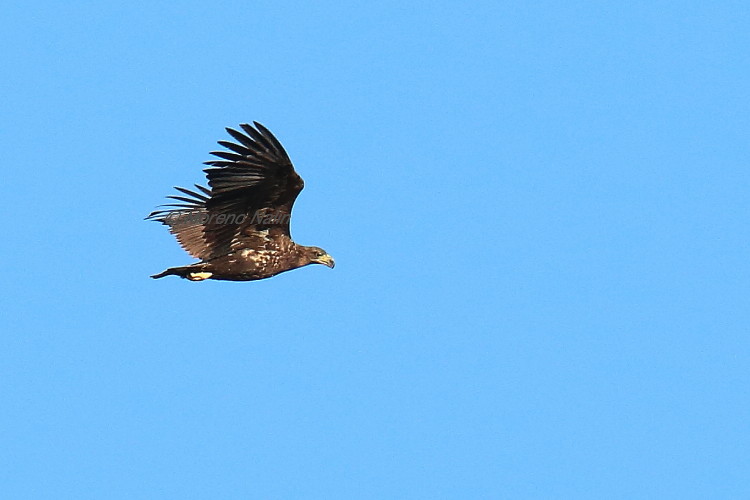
[(538, 212)]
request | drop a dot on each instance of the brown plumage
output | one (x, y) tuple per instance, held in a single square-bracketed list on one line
[(239, 226)]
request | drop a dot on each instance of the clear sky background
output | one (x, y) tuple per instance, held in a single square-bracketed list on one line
[(539, 214)]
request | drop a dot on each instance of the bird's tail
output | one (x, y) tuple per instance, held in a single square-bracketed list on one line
[(168, 272), (190, 272)]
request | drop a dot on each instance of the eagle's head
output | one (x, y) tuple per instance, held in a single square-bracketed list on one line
[(316, 255)]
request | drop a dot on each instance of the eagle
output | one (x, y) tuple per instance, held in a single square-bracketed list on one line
[(238, 226)]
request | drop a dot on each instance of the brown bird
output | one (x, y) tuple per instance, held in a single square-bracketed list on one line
[(239, 226)]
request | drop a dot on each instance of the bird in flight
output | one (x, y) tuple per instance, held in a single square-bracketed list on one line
[(238, 226)]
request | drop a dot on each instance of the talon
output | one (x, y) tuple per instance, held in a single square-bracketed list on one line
[(199, 276)]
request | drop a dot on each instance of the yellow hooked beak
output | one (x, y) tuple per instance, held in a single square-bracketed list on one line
[(326, 260)]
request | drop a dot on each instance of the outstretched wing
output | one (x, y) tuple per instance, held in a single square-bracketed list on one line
[(256, 183), (253, 188)]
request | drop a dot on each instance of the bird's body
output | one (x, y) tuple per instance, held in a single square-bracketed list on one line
[(274, 255), (239, 227)]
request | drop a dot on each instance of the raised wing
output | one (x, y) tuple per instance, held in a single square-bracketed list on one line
[(252, 190)]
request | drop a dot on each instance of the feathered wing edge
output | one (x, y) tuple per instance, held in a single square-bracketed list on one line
[(186, 220), (257, 157)]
